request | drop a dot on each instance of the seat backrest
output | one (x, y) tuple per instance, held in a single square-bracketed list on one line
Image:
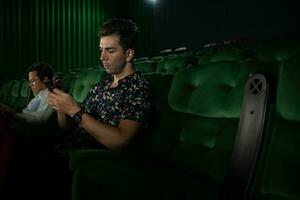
[(278, 173), (160, 85), (172, 64), (277, 51), (223, 54), (205, 101), (24, 95), (68, 81), (13, 94), (4, 91), (18, 95), (84, 83), (145, 66)]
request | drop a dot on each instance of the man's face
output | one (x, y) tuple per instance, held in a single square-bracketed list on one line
[(35, 83), (112, 55)]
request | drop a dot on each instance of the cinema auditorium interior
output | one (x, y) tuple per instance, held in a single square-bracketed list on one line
[(224, 79)]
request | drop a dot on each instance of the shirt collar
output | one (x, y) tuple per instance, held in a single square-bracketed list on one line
[(41, 92), (123, 80)]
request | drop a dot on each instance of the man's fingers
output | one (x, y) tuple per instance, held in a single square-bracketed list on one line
[(58, 91)]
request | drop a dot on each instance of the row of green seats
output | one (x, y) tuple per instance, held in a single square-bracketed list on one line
[(189, 154), (276, 51), (15, 93), (191, 145), (262, 51), (169, 64), (277, 175)]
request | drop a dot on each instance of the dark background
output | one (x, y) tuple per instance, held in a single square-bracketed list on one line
[(64, 32), (194, 23)]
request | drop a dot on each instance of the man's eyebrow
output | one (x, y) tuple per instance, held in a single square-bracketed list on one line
[(107, 48)]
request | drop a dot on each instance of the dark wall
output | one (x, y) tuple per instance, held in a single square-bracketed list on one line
[(64, 32), (198, 22)]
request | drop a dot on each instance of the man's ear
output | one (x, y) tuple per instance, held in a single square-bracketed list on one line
[(130, 54)]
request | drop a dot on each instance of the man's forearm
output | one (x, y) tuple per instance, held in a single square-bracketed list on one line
[(108, 135)]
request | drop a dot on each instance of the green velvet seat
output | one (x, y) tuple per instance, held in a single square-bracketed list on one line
[(206, 101), (223, 54), (18, 94), (84, 82), (145, 66), (189, 154), (24, 94), (172, 64), (160, 84), (277, 51), (5, 90), (278, 171), (106, 180), (68, 80)]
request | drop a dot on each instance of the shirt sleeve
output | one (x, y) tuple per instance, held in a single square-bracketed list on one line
[(137, 105)]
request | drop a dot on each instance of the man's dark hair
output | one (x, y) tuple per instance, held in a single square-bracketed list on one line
[(42, 70), (125, 28)]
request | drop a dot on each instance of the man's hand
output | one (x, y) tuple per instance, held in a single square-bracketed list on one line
[(63, 102)]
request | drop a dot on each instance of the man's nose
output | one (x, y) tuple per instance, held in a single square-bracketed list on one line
[(102, 55)]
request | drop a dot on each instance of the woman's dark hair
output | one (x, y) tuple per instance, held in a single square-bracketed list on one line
[(42, 70), (125, 28)]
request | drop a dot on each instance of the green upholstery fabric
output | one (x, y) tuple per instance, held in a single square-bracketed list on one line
[(288, 94), (18, 95), (24, 95), (197, 109), (160, 84), (83, 156), (280, 179), (208, 98), (194, 136), (277, 51), (278, 173), (195, 140), (84, 83), (222, 85), (110, 181), (145, 66), (223, 54), (172, 64), (162, 135), (12, 93), (68, 81), (4, 91)]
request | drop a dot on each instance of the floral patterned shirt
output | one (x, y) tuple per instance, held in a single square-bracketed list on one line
[(129, 100)]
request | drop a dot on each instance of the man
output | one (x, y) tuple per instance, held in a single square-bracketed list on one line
[(118, 108)]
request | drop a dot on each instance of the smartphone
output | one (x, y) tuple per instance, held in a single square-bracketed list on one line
[(50, 85)]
